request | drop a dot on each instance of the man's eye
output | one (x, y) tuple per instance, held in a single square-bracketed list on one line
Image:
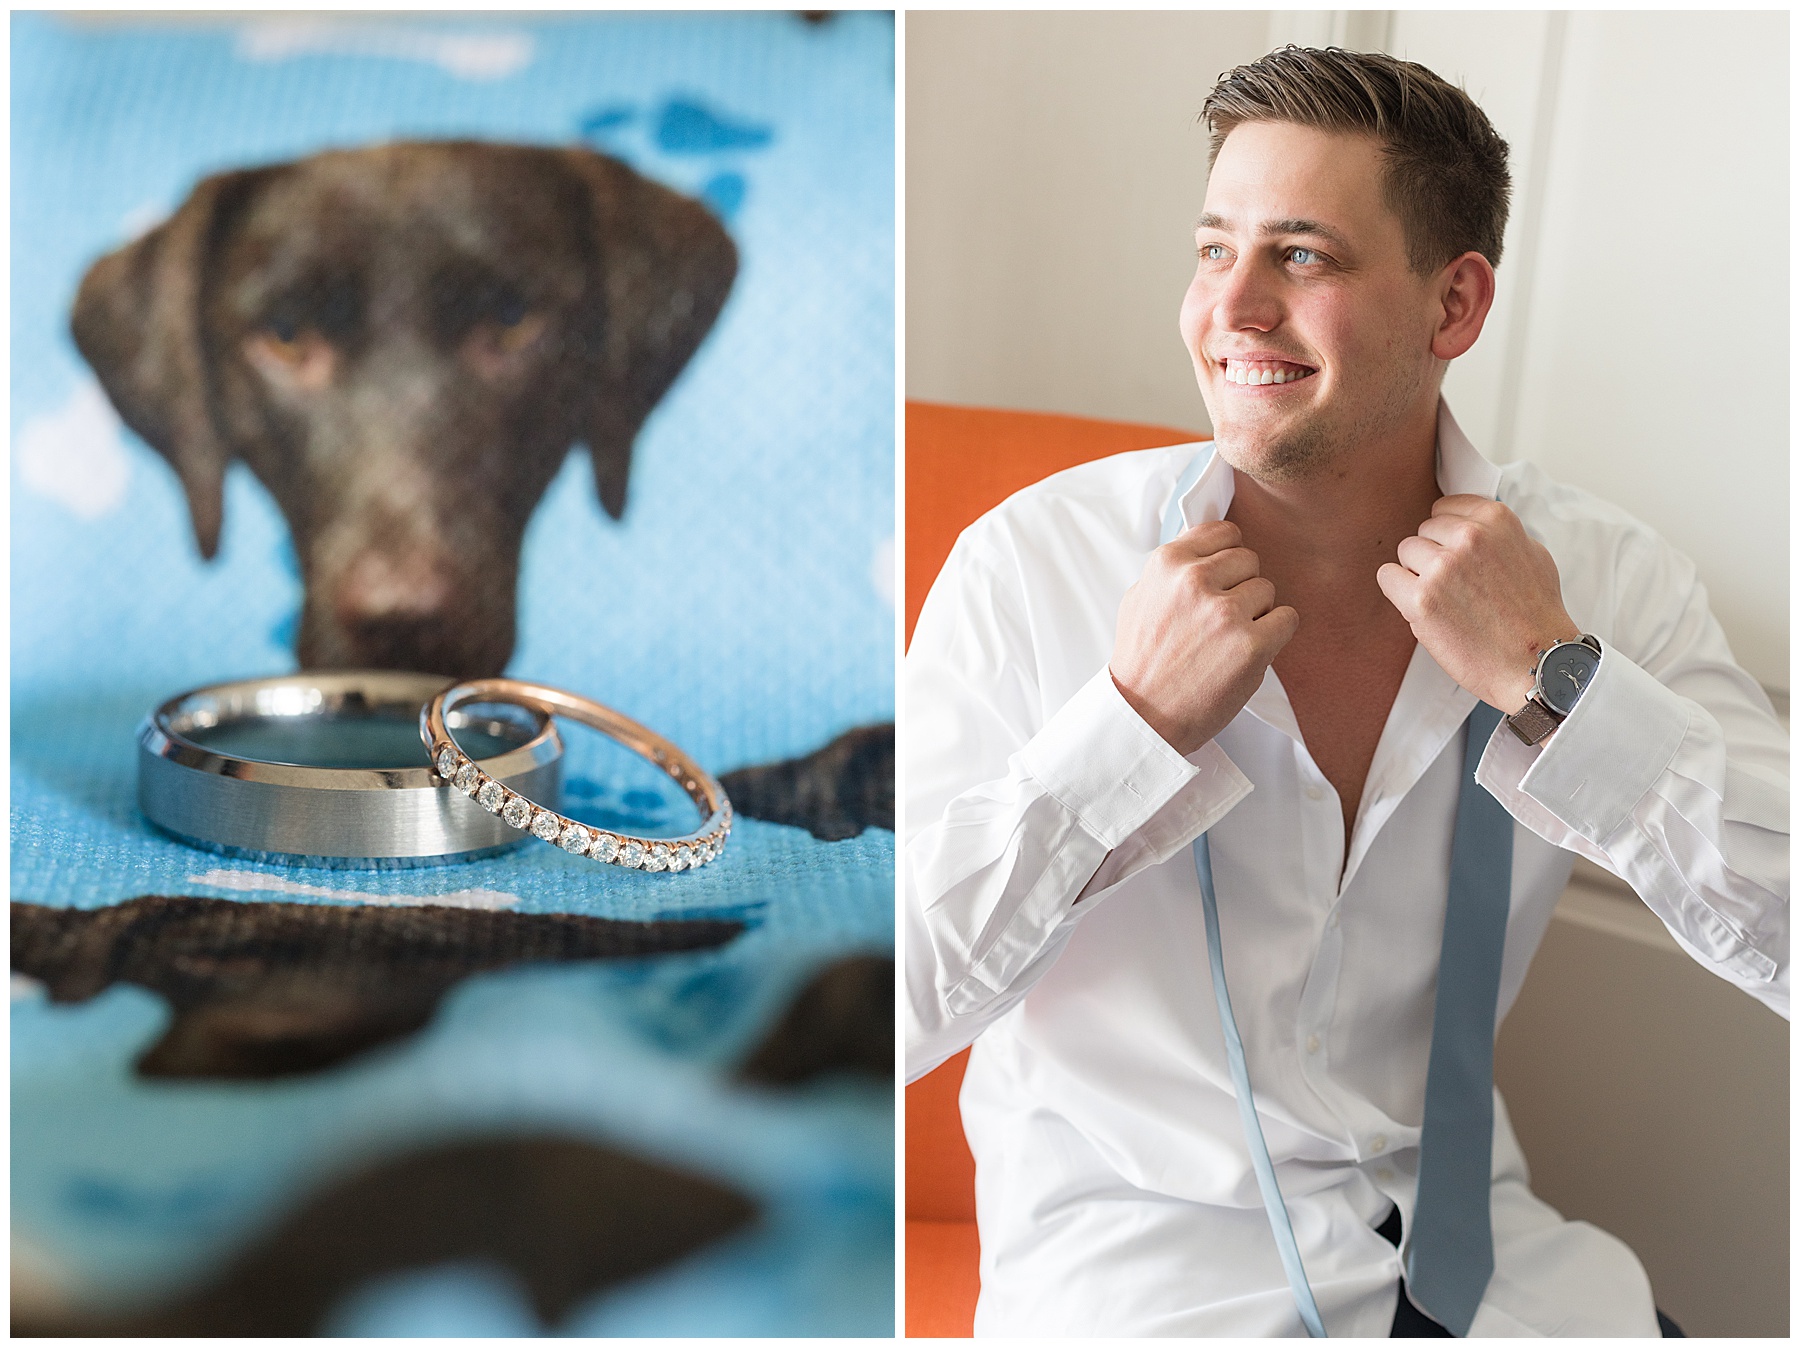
[(1212, 252), (1304, 256)]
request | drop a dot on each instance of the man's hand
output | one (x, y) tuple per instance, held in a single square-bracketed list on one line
[(1482, 596), (1196, 633)]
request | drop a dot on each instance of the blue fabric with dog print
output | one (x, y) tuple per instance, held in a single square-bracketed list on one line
[(743, 606)]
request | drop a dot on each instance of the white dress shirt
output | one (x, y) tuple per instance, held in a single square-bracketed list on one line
[(1114, 1188)]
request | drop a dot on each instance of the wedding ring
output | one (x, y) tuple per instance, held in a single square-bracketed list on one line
[(324, 769), (519, 810)]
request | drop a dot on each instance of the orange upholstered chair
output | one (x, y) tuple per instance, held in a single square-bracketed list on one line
[(960, 463)]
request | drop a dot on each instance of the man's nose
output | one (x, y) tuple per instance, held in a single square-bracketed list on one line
[(1246, 299)]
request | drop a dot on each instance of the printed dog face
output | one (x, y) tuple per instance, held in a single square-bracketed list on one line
[(403, 342)]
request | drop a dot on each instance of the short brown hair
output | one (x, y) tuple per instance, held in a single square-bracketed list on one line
[(1446, 165)]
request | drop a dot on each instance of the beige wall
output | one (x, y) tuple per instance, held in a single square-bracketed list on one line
[(1054, 169), (1639, 342)]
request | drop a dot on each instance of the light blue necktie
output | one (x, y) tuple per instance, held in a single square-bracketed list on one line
[(1452, 1254), (1453, 1233)]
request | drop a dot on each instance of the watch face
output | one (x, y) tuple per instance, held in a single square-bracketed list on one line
[(1566, 672)]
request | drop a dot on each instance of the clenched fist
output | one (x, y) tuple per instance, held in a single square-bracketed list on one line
[(1481, 595), (1195, 634)]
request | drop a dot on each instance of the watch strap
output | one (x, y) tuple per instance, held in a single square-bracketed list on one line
[(1533, 722)]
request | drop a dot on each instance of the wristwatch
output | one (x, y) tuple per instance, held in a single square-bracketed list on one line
[(1562, 675)]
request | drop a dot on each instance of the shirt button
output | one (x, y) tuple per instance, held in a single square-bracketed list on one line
[(1312, 1043), (1385, 1175), (1378, 1143), (1315, 793)]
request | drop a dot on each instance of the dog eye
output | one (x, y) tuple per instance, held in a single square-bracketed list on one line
[(509, 310), (337, 308), (326, 306), (466, 300)]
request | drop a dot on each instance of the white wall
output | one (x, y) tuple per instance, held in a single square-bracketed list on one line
[(1643, 349), (1639, 342)]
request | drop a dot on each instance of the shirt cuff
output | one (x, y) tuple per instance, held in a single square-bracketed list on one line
[(1598, 764), (1106, 766)]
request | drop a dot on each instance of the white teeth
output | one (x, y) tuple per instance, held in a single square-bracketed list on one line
[(1242, 372)]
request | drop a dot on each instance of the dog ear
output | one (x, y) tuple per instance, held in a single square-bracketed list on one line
[(667, 265), (137, 321)]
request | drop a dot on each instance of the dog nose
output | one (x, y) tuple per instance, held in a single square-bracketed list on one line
[(412, 609), (380, 586)]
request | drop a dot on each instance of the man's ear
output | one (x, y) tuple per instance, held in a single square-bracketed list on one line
[(1466, 295), (666, 266), (137, 322)]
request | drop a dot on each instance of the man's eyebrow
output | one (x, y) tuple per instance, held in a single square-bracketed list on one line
[(1275, 228)]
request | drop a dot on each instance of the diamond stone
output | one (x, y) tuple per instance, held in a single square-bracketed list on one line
[(492, 796), (573, 839), (683, 858), (631, 853), (446, 762), (604, 847), (657, 859), (546, 826), (468, 776), (517, 812)]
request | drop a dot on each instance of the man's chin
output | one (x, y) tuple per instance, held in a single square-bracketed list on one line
[(1291, 455)]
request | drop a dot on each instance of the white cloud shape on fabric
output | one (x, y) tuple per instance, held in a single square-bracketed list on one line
[(74, 455), (466, 55), (141, 219), (883, 572), (254, 881)]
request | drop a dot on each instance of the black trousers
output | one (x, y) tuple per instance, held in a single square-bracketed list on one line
[(1412, 1323)]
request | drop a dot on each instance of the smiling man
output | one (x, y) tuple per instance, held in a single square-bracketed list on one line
[(1328, 702)]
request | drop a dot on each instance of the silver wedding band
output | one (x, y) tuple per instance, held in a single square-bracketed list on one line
[(326, 769)]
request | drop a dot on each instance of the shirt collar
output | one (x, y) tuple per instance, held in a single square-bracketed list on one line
[(1460, 469), (1210, 497)]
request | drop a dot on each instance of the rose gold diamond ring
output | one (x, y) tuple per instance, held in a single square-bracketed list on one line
[(618, 849)]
